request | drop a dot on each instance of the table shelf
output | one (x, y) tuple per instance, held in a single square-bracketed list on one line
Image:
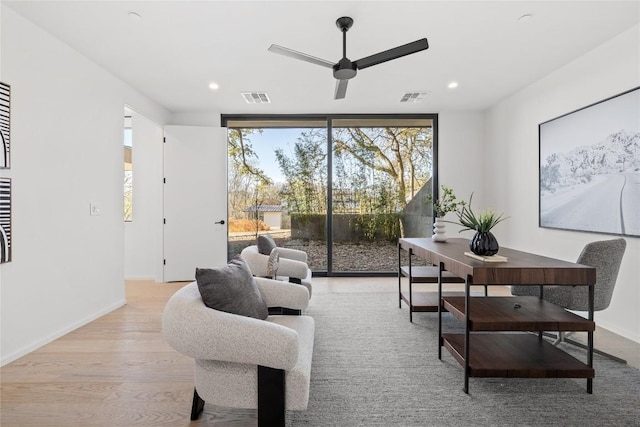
[(428, 274), (425, 301), (515, 355), (527, 313)]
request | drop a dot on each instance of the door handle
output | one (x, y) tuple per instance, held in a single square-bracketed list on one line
[(220, 222)]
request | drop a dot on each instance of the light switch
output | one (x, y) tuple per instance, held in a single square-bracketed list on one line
[(93, 209)]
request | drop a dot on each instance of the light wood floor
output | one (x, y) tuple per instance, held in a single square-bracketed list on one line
[(118, 371)]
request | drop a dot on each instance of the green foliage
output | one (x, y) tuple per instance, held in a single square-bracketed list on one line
[(446, 203), (347, 227), (242, 156), (308, 226), (378, 227), (400, 155), (305, 172), (483, 221), (377, 171)]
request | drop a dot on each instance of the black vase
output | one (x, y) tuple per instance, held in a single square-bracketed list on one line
[(484, 244)]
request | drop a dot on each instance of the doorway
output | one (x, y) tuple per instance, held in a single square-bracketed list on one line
[(142, 197)]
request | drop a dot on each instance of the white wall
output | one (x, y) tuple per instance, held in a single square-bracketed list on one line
[(67, 127), (195, 119), (511, 158), (460, 159), (143, 242)]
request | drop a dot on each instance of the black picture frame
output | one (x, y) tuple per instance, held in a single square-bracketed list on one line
[(5, 220), (5, 125), (589, 164)]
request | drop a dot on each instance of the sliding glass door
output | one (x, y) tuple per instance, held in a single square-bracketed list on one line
[(277, 185), (380, 172), (371, 173)]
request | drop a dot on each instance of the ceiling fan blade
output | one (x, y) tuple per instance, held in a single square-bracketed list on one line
[(396, 52), (299, 55), (341, 89)]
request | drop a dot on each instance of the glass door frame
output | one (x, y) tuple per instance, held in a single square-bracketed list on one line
[(293, 119)]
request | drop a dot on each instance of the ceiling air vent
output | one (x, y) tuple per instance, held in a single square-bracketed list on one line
[(413, 97), (256, 97)]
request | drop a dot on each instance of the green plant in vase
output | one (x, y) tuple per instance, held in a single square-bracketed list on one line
[(446, 203), (483, 242)]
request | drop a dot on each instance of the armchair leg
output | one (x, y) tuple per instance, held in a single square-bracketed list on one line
[(197, 406), (271, 397), (284, 311)]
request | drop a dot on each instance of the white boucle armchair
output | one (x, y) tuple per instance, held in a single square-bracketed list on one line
[(292, 264), (243, 362)]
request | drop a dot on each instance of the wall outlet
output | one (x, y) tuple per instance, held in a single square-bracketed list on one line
[(93, 209)]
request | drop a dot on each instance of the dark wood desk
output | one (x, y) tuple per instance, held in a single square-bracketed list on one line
[(508, 355), (422, 301)]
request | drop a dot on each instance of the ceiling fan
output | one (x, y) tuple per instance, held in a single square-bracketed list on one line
[(345, 69)]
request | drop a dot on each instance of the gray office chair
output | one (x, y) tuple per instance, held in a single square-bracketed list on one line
[(606, 257)]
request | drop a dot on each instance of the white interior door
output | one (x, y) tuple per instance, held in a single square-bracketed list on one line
[(195, 200)]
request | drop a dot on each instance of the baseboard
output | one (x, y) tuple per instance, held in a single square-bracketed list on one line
[(616, 330), (54, 336), (610, 327)]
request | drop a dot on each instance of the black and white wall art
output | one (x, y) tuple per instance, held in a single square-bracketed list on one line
[(5, 125), (590, 167), (5, 220)]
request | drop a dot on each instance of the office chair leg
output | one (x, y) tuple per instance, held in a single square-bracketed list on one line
[(596, 351), (562, 337)]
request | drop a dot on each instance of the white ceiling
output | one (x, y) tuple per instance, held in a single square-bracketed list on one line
[(179, 47)]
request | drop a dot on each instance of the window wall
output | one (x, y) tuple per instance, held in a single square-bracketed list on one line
[(342, 188)]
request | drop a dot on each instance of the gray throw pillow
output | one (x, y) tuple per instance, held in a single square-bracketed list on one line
[(266, 244), (231, 289)]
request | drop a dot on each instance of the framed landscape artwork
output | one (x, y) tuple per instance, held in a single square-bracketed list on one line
[(590, 168), (5, 125), (5, 220)]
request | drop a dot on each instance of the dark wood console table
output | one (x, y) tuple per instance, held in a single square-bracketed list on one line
[(425, 300), (523, 355)]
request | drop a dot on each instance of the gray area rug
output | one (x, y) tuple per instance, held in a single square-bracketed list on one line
[(371, 367)]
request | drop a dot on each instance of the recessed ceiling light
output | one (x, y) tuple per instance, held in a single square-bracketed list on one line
[(526, 17), (135, 16), (452, 85), (214, 86)]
